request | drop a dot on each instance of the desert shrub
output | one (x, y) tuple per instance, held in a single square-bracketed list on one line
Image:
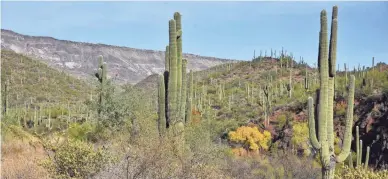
[(20, 152), (360, 173), (282, 120), (285, 165), (76, 159), (300, 137), (55, 111), (79, 131), (340, 108), (251, 138)]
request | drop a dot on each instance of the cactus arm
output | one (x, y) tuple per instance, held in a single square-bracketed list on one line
[(313, 136), (349, 123), (330, 115), (161, 108), (184, 90), (332, 74), (178, 36), (324, 75), (103, 73), (357, 146), (360, 153), (333, 43), (350, 160), (367, 157), (172, 82), (179, 33)]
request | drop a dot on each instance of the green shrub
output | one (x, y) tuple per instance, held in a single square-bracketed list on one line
[(282, 120), (360, 173), (79, 131), (76, 159)]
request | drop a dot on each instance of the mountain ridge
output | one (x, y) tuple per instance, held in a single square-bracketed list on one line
[(125, 64)]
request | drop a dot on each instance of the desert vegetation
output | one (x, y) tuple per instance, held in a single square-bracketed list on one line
[(271, 117)]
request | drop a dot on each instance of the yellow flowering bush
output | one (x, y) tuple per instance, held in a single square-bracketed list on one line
[(251, 137)]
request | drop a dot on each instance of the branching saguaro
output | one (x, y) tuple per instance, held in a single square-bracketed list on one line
[(325, 141), (172, 88)]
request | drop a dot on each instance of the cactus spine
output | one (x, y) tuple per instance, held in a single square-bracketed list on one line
[(325, 140)]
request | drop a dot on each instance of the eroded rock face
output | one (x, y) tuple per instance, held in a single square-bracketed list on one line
[(373, 122), (126, 65)]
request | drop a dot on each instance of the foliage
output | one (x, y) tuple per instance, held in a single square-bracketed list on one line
[(360, 173), (76, 159), (340, 108), (282, 120), (30, 79), (300, 137), (79, 131), (251, 137)]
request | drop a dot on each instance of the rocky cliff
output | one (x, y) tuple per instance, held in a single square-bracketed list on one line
[(80, 59)]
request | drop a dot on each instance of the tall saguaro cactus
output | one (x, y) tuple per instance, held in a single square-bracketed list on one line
[(183, 91), (173, 75), (325, 141), (174, 90), (178, 25), (101, 76)]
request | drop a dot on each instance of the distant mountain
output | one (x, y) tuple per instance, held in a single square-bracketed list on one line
[(81, 59)]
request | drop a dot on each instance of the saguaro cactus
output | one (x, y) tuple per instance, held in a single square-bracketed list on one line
[(178, 25), (101, 76), (306, 80), (161, 106), (173, 75), (359, 147), (183, 91), (6, 86), (175, 86), (325, 141), (190, 98)]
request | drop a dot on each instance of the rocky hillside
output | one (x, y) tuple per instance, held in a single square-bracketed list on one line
[(80, 59), (30, 80)]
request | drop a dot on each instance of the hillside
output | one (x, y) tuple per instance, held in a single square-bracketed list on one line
[(272, 117), (236, 96), (80, 59), (30, 80)]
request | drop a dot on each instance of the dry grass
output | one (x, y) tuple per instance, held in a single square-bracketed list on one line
[(21, 158)]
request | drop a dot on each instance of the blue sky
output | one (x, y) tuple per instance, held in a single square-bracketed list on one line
[(220, 29)]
